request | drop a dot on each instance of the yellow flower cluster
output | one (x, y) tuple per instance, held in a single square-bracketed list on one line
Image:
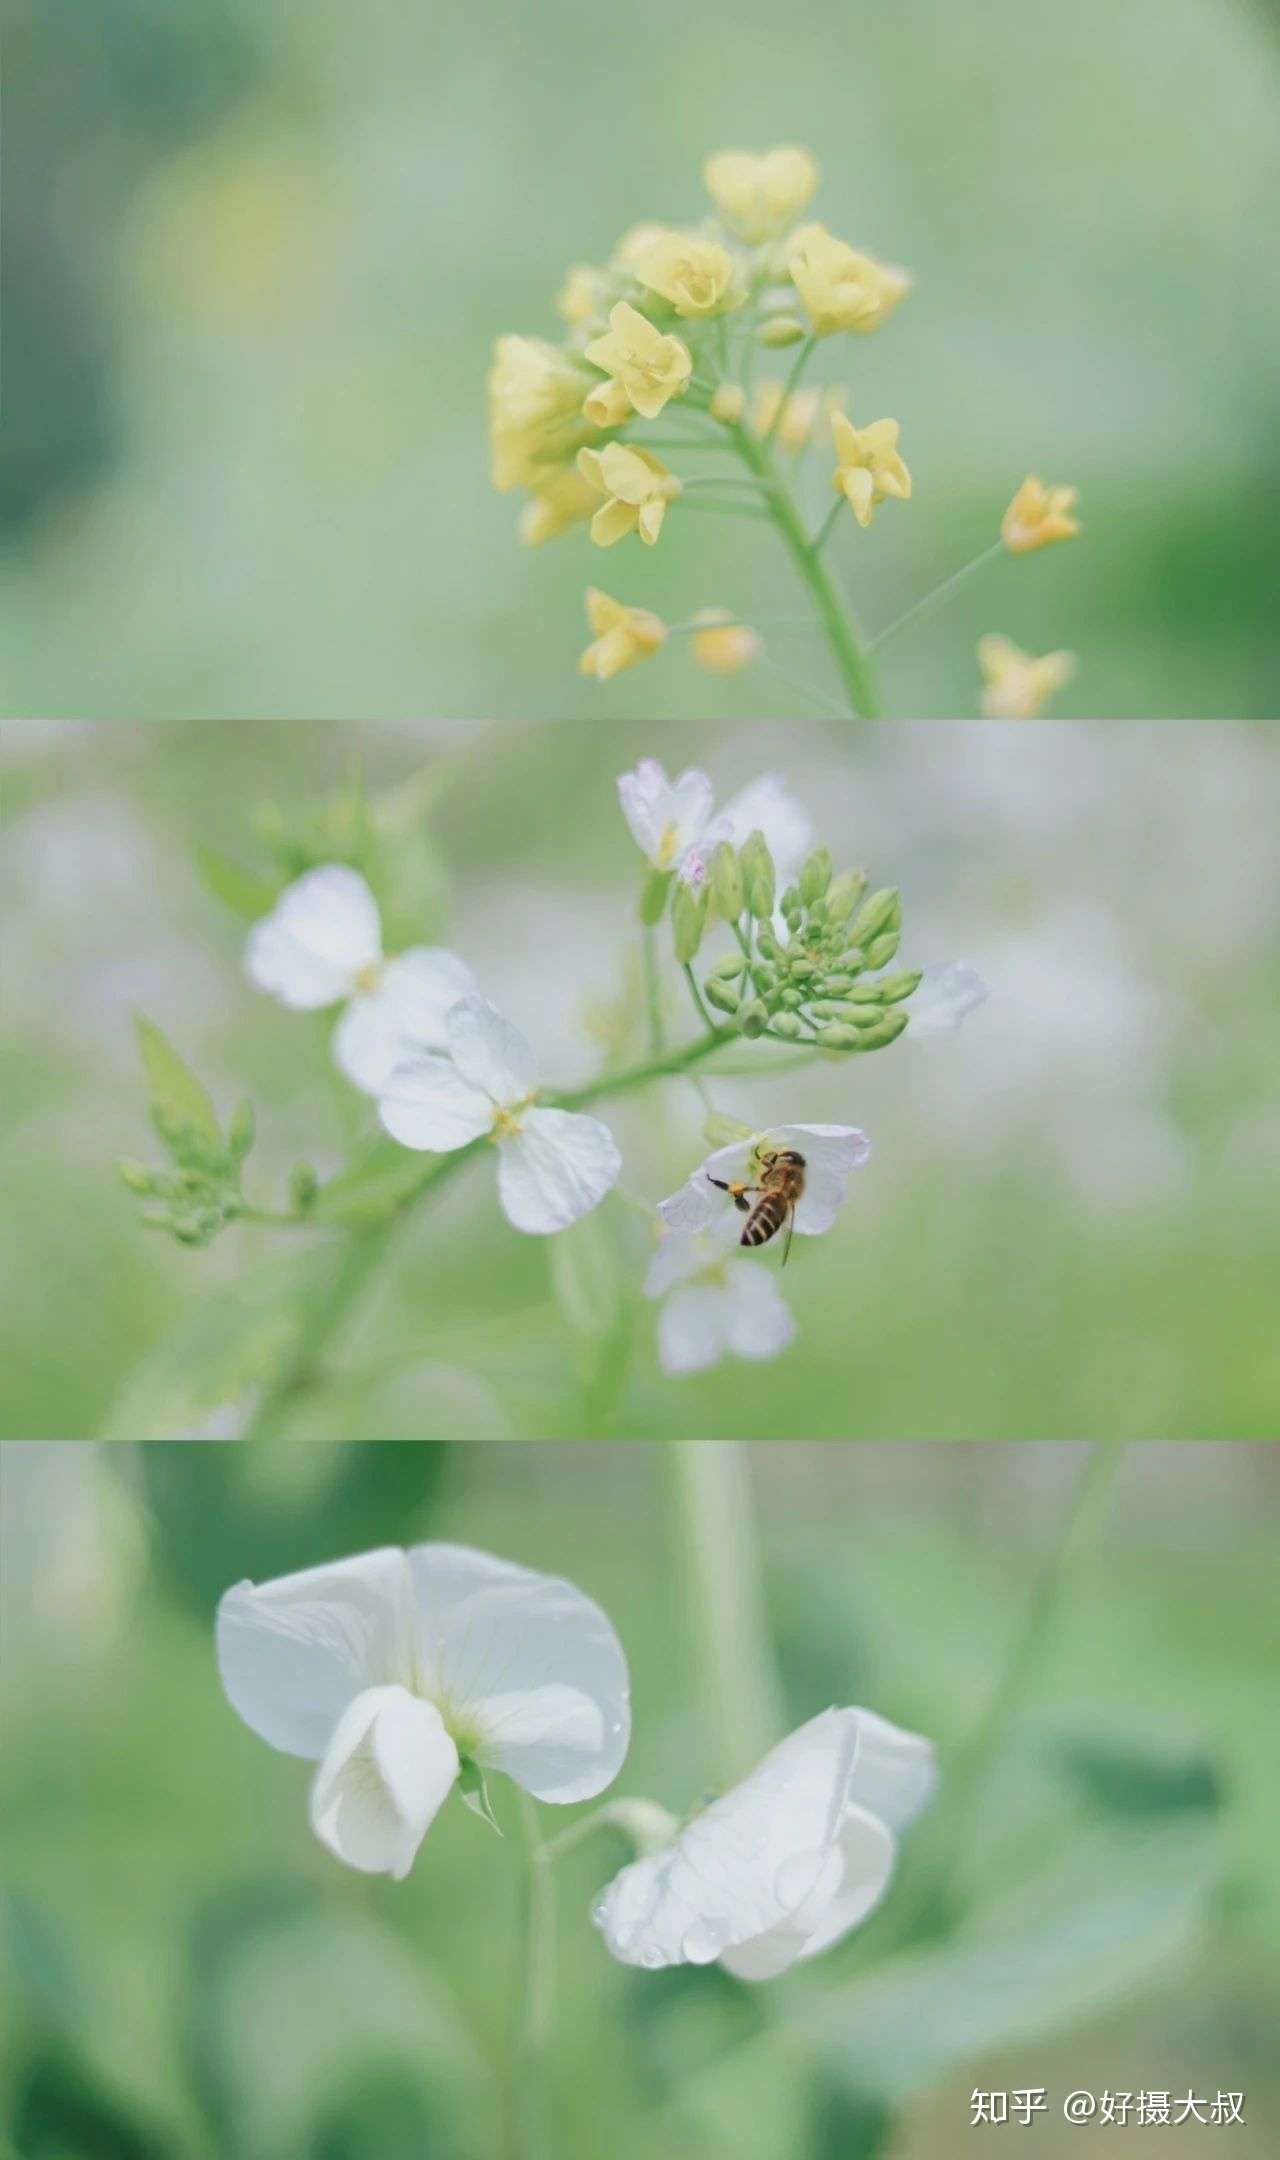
[(666, 330)]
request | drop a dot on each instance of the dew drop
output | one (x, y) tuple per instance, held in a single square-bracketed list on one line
[(652, 1958), (599, 1911), (703, 1942)]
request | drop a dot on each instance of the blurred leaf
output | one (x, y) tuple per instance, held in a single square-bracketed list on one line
[(1141, 1774), (245, 892), (40, 1958), (297, 2005), (384, 2116), (179, 1099), (1113, 1917), (60, 2113)]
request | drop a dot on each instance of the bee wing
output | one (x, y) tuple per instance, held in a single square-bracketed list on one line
[(788, 1234)]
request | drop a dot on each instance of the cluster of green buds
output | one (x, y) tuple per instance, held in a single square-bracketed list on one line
[(199, 1193), (810, 966)]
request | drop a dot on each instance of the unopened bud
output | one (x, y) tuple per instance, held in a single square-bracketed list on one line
[(837, 985), (688, 921), (727, 886), (780, 330), (885, 1031), (894, 988), (815, 876), (722, 995), (883, 911), (882, 949), (753, 1018), (844, 893), (135, 1175), (767, 944), (786, 1023), (730, 968), (728, 403), (838, 1036)]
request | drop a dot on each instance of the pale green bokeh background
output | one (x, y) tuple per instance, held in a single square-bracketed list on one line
[(192, 1978), (257, 257), (1068, 1224)]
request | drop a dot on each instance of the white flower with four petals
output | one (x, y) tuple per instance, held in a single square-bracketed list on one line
[(393, 1668), (553, 1165), (676, 825), (714, 1306), (783, 1865), (831, 1154), (322, 945)]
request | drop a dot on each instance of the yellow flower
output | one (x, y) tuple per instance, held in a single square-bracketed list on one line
[(650, 367), (868, 467), (798, 414), (759, 196), (842, 289), (558, 503), (637, 487), (635, 242), (606, 405), (728, 402), (695, 275), (535, 409), (578, 299), (724, 646), (622, 635), (1037, 516), (1017, 686)]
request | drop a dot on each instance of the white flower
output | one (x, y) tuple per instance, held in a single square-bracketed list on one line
[(391, 1668), (553, 1165), (784, 1864), (714, 1307), (322, 943), (831, 1154), (675, 823), (945, 996)]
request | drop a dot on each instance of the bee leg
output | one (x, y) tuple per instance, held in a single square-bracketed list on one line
[(737, 1193)]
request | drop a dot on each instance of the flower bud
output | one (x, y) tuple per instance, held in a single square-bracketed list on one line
[(815, 876), (894, 988), (758, 877), (885, 1031), (727, 888), (882, 949), (837, 985), (720, 994), (838, 1036), (730, 968), (241, 1131), (792, 999), (688, 921), (767, 944), (844, 893), (728, 403), (780, 330), (883, 911), (135, 1175), (786, 1023), (853, 960), (753, 1018), (653, 896)]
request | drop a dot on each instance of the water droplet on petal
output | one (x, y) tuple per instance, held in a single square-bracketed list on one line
[(704, 1941), (652, 1958), (599, 1911)]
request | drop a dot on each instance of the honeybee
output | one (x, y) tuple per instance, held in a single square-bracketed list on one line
[(776, 1197)]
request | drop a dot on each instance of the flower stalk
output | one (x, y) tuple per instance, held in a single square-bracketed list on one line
[(732, 1646)]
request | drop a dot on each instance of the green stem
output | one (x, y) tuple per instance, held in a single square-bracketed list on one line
[(934, 598), (843, 634), (790, 386), (696, 995), (534, 2004), (653, 991), (733, 1650)]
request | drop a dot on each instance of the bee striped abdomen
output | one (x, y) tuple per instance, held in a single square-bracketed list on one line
[(766, 1219)]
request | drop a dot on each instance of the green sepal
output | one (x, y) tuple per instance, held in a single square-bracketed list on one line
[(653, 896), (475, 1793)]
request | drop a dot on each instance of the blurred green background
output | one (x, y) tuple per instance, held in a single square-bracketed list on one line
[(1068, 1222), (256, 258), (194, 1979)]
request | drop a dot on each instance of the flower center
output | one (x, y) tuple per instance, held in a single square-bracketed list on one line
[(508, 1119), (368, 977), (667, 846)]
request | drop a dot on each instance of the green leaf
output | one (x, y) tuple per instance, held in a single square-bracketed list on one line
[(245, 892), (181, 1102), (1114, 1916), (475, 1793)]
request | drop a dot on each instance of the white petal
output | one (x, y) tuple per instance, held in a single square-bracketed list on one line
[(293, 1653), (556, 1168), (894, 1771), (427, 1104), (852, 1884), (321, 934), (530, 1669), (744, 1865), (766, 806), (489, 1052), (759, 1319), (386, 1773), (693, 1327), (680, 1255), (944, 996), (831, 1154), (664, 816), (402, 1016), (697, 1204)]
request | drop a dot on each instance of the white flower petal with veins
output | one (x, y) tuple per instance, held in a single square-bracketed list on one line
[(556, 1168), (781, 1865), (489, 1052), (402, 1015), (387, 1771), (426, 1103), (831, 1154), (293, 1653), (321, 936)]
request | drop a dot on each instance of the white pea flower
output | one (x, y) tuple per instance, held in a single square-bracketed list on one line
[(676, 825), (553, 1165), (945, 997), (322, 944), (831, 1153), (783, 1865), (394, 1668), (714, 1306)]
